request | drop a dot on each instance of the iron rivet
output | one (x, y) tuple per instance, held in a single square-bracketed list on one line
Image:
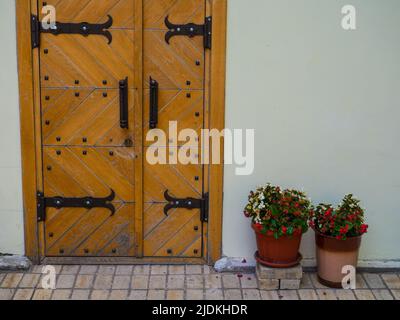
[(84, 153), (58, 139), (197, 63), (86, 250), (46, 78), (76, 81), (58, 152), (111, 153), (195, 251), (51, 234), (104, 82), (196, 228), (49, 168), (77, 94), (188, 83), (46, 51), (197, 114), (188, 95), (169, 251), (114, 250), (47, 98), (196, 178), (61, 251), (84, 140), (47, 122), (105, 94)]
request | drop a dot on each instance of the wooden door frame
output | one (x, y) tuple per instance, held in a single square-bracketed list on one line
[(29, 99)]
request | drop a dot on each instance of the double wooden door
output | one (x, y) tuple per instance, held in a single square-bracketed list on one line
[(101, 196)]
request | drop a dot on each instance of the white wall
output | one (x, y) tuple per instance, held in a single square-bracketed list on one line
[(325, 104), (11, 218)]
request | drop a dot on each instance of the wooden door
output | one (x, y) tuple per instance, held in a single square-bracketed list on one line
[(86, 152), (89, 154), (179, 70)]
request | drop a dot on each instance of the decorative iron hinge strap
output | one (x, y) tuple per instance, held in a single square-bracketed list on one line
[(82, 28), (188, 203), (190, 30), (60, 202)]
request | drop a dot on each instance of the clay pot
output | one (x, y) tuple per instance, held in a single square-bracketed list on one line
[(333, 255), (278, 253)]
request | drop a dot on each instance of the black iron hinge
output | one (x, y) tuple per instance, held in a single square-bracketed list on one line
[(61, 202), (82, 28), (190, 30), (188, 203)]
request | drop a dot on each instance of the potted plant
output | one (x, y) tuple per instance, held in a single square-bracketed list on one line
[(279, 219), (338, 233)]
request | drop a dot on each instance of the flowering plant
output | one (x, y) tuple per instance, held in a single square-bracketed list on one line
[(345, 221), (278, 213)]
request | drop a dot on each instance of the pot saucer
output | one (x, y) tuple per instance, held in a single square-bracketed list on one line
[(277, 264)]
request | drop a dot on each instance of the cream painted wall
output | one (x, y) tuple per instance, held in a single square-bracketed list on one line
[(325, 105), (11, 220)]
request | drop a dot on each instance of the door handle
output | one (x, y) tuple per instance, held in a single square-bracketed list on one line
[(123, 104), (153, 104)]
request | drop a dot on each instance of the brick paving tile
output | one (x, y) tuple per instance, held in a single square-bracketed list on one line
[(103, 282), (42, 294), (124, 270), (307, 294), (175, 282), (360, 282), (11, 280), (396, 294), (121, 282), (175, 294), (306, 282), (288, 295), (61, 294), (65, 281), (118, 295), (80, 295), (23, 294), (69, 269), (2, 276), (251, 294), (381, 294), (176, 269), (324, 294), (29, 280), (194, 294), (233, 294), (156, 295), (364, 294), (194, 281), (106, 270), (230, 281), (392, 280), (212, 281), (374, 281), (137, 295), (84, 281), (214, 294), (157, 282), (99, 294), (140, 282), (207, 270), (269, 295), (345, 295), (194, 269), (88, 269), (159, 270), (6, 294), (141, 270), (249, 281)]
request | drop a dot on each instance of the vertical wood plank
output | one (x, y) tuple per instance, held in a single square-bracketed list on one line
[(27, 122), (217, 121), (139, 128)]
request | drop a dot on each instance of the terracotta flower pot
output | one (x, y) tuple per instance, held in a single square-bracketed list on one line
[(278, 253), (333, 255)]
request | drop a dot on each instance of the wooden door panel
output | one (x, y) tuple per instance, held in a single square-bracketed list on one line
[(77, 61), (82, 232), (179, 12), (182, 181), (91, 118), (95, 11), (178, 235), (183, 106), (81, 172), (178, 65)]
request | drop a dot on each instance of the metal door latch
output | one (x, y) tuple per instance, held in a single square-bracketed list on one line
[(190, 30), (85, 202), (188, 203)]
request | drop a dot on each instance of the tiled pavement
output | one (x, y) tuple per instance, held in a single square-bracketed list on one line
[(180, 282)]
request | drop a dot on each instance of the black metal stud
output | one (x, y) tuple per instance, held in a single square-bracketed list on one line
[(111, 153), (188, 95), (46, 78), (197, 114), (84, 140), (76, 81), (84, 152), (114, 251), (62, 251), (195, 251), (77, 94), (58, 152), (51, 234), (169, 251), (49, 168), (46, 51), (196, 178), (196, 228), (104, 82), (47, 122), (86, 251), (47, 98), (198, 63), (105, 94), (188, 83), (58, 139)]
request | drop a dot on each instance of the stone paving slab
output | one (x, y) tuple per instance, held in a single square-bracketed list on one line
[(178, 282)]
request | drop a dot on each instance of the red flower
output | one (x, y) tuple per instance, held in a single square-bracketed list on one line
[(297, 213), (258, 226), (364, 228), (284, 230), (328, 213), (339, 237), (270, 233)]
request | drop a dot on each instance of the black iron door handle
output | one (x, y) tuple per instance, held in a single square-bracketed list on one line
[(153, 104), (123, 103)]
